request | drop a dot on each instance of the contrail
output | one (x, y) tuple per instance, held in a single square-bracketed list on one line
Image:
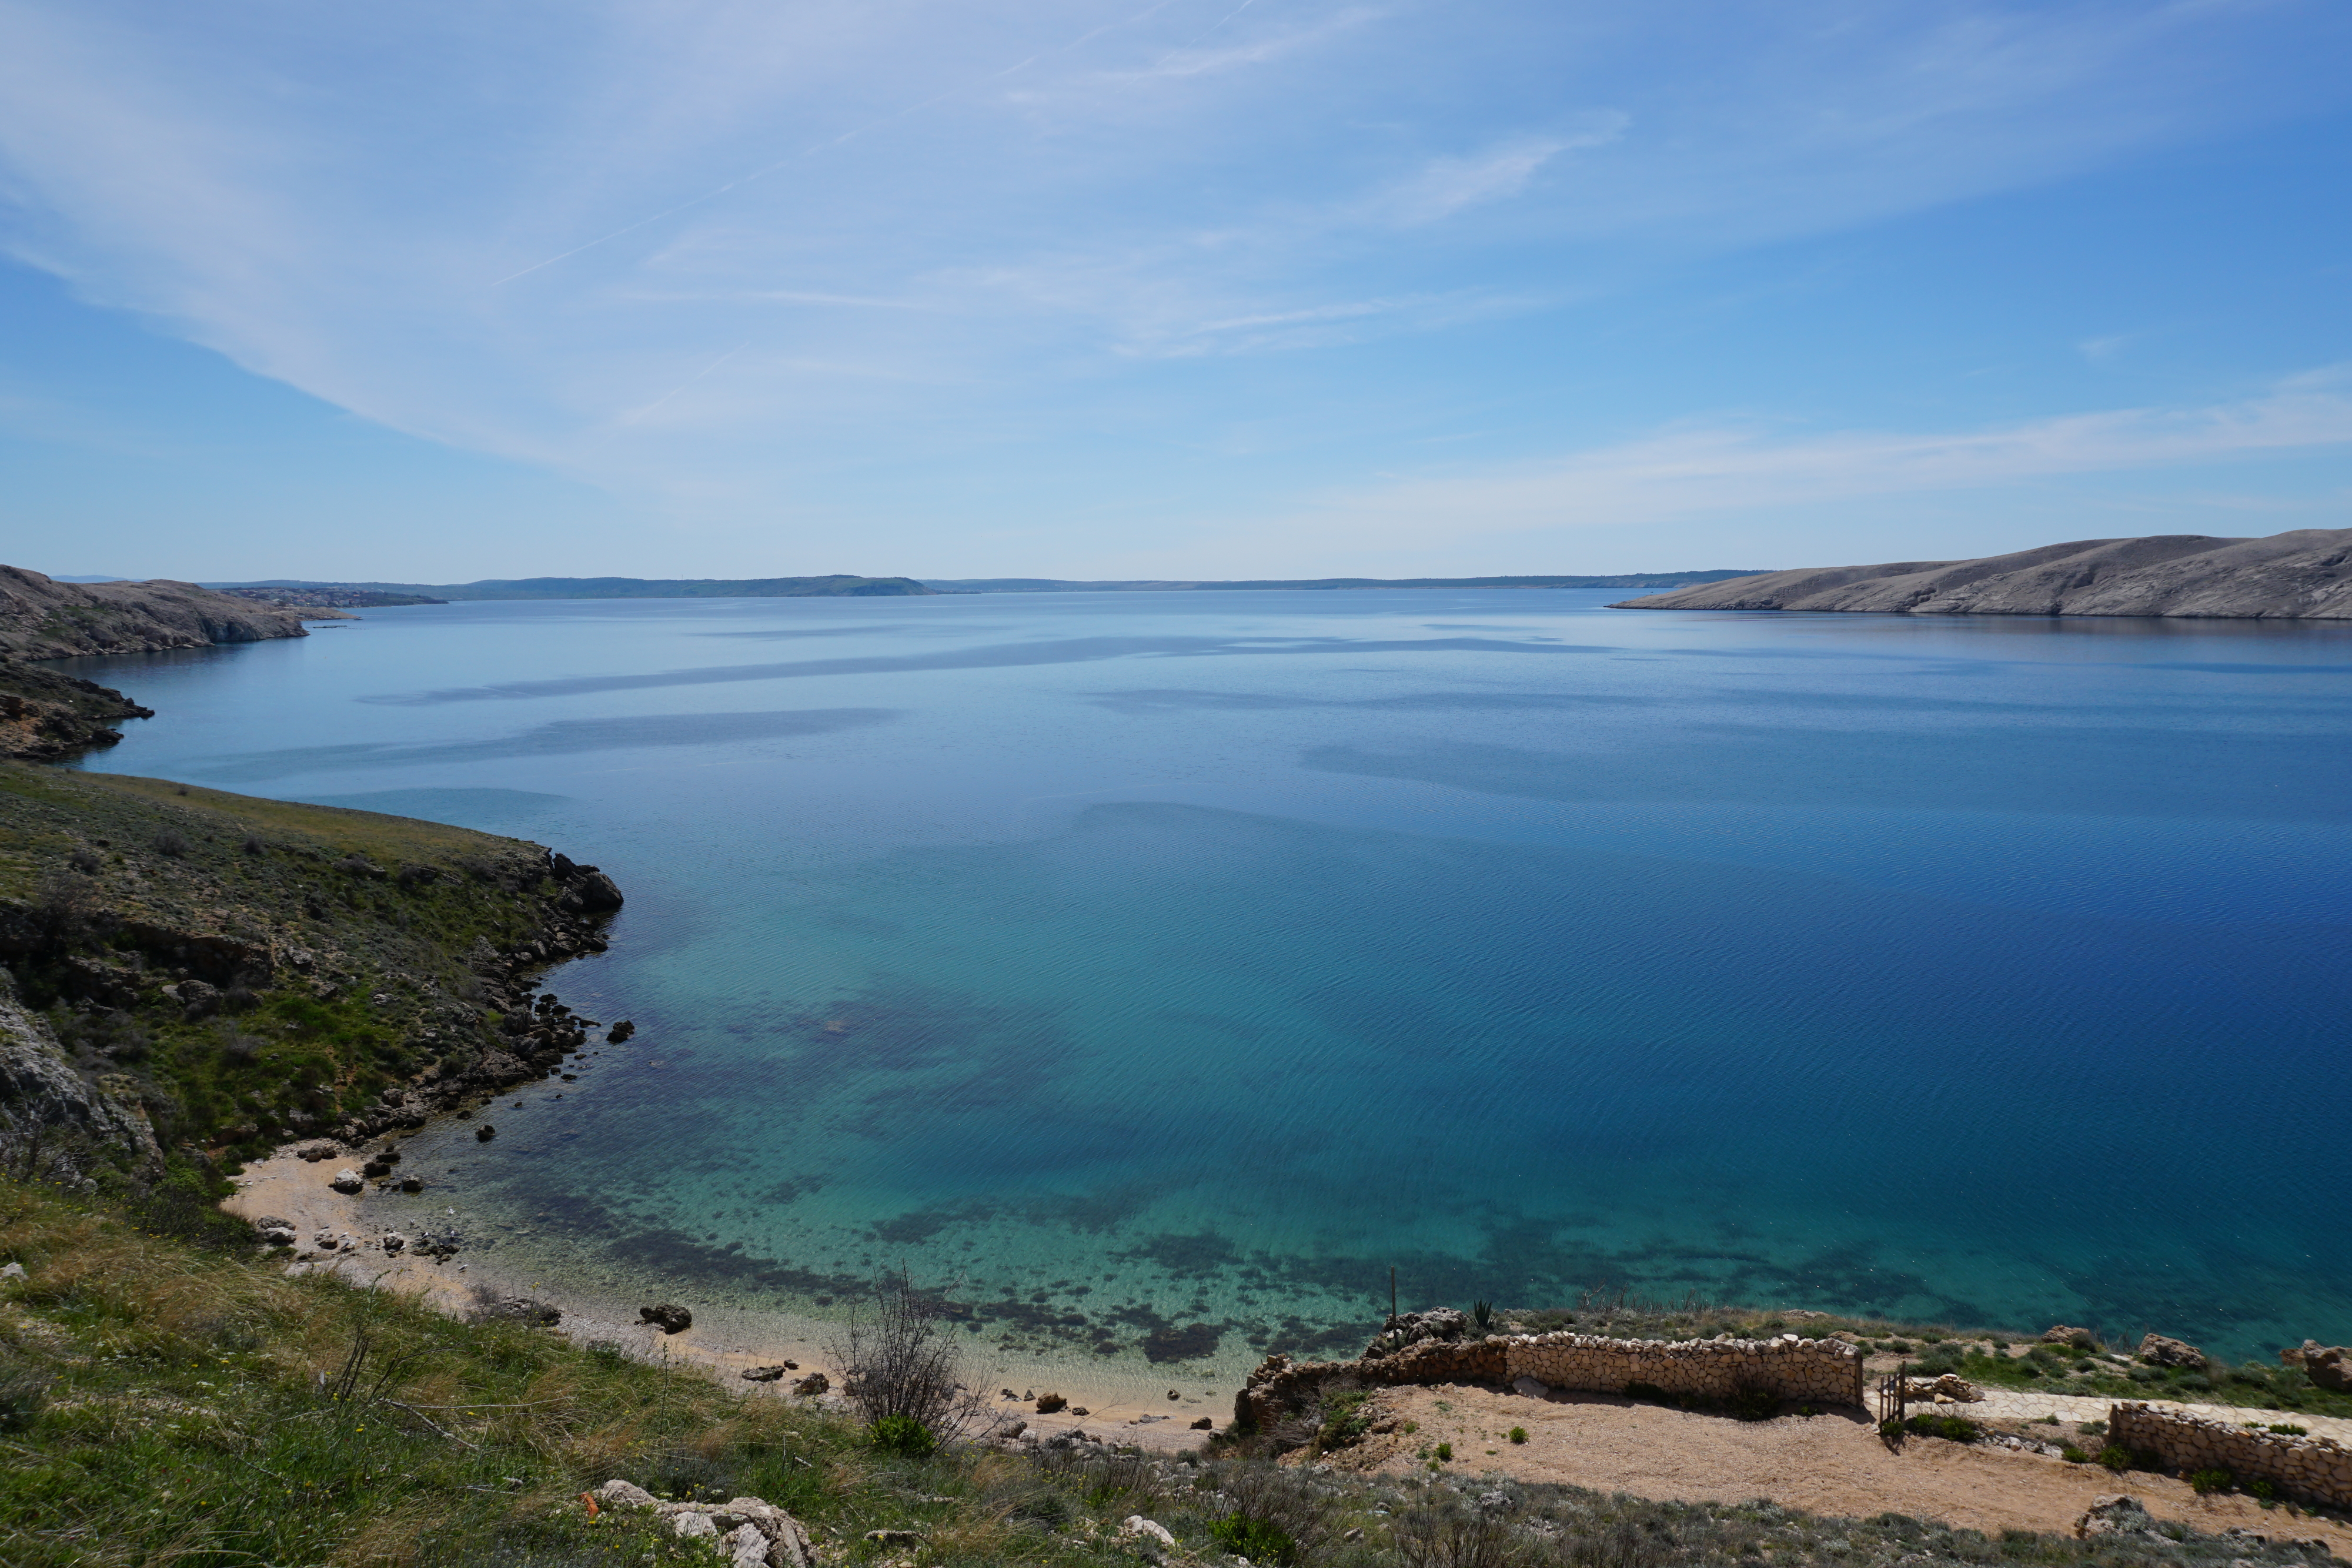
[(742, 179), (641, 412)]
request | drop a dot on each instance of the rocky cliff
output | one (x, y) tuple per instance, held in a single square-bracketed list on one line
[(46, 716), (192, 977), (2302, 575), (41, 619)]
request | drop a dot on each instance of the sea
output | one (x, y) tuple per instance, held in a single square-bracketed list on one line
[(1156, 976)]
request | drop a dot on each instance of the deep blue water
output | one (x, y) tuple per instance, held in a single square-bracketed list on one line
[(1192, 958)]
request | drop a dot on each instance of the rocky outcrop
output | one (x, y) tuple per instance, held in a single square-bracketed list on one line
[(2302, 575), (59, 1123), (40, 619), (2158, 1351), (2328, 1366), (49, 717), (752, 1532)]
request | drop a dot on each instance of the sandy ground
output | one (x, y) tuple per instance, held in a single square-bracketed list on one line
[(1833, 1464), (1123, 1404)]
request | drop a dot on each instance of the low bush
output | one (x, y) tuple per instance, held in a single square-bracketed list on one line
[(903, 1436), (1518, 1433), (2073, 1456), (1952, 1429), (1442, 1453), (2205, 1481), (1259, 1540), (2116, 1458), (1753, 1405)]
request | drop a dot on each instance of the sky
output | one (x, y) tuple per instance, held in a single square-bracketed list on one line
[(441, 291)]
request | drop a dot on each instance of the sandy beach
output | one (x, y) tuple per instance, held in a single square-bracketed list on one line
[(1121, 1401)]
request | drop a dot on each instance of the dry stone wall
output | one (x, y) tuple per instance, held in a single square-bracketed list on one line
[(1825, 1371), (1818, 1370), (2316, 1470)]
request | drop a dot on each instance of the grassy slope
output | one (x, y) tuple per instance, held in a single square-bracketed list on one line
[(166, 1404), (112, 887)]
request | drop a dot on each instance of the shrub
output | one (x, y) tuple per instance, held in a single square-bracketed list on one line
[(2204, 1481), (2289, 1430), (171, 845), (2115, 1458), (1443, 1453), (2073, 1456), (1482, 1315), (1259, 1540), (897, 1359), (1453, 1539), (1952, 1429), (2262, 1491), (903, 1436), (1344, 1420), (1518, 1433), (1754, 1405)]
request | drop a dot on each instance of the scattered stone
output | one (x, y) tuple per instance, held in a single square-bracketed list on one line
[(669, 1317), (515, 1309), (377, 1167), (814, 1384), (485, 1133), (11, 1273), (1497, 1501), (1049, 1403), (768, 1374), (1951, 1386), (2059, 1334), (2158, 1351), (272, 1231), (1173, 1395), (626, 1494), (348, 1182), (394, 1241), (1205, 1424), (620, 1033), (316, 1149), (412, 1184), (1080, 1410)]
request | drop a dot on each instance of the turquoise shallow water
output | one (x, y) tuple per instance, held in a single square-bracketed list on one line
[(1152, 972)]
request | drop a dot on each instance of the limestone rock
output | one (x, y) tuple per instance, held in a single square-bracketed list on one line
[(272, 1231), (1049, 1403), (1951, 1386), (2158, 1351), (745, 1547), (689, 1526), (1437, 1324), (1205, 1424), (814, 1384), (348, 1181), (2081, 1339), (1140, 1530), (11, 1273), (626, 1494), (669, 1317), (2114, 1514), (768, 1374), (2327, 1367)]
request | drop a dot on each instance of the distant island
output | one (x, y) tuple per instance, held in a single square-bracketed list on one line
[(838, 585), (332, 598), (1142, 585), (2302, 575)]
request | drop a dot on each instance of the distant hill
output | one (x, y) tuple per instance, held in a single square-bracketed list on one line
[(1063, 585), (2302, 575), (837, 585)]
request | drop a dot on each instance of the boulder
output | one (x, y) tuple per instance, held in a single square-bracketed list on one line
[(814, 1384), (316, 1149), (2114, 1515), (690, 1525), (485, 1133), (1148, 1533), (669, 1317), (348, 1181), (2158, 1351), (1049, 1403), (768, 1374), (2081, 1339), (2327, 1367), (1412, 1328), (412, 1184), (272, 1231), (620, 1033), (626, 1494), (1205, 1424), (1951, 1386)]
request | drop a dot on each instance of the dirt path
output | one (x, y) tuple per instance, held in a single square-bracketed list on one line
[(1831, 1464)]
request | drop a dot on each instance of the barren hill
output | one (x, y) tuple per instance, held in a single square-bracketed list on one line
[(2302, 575)]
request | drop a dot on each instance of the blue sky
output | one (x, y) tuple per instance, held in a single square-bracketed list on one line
[(440, 291)]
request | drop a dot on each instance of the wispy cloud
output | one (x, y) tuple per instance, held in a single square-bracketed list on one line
[(1444, 187)]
